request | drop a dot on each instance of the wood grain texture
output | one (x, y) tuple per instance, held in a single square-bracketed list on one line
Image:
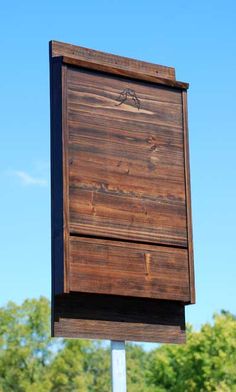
[(90, 329), (116, 317), (116, 70), (122, 250), (129, 269), (188, 201), (126, 165), (108, 59)]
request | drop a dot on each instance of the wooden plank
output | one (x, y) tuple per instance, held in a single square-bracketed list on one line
[(101, 213), (108, 59), (65, 143), (114, 84), (126, 164), (188, 201), (96, 316), (114, 267), (90, 329), (101, 93), (57, 242), (126, 73)]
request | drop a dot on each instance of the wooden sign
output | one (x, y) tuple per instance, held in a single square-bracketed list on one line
[(122, 254)]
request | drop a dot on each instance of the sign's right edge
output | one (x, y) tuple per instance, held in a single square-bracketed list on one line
[(188, 199)]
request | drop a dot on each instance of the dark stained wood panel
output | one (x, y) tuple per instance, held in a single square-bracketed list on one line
[(188, 199), (122, 249), (57, 259), (100, 58), (126, 166), (96, 329), (114, 70), (129, 269), (118, 317)]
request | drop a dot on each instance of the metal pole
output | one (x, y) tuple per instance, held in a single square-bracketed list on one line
[(118, 366)]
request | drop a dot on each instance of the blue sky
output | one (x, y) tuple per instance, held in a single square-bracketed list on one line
[(198, 38)]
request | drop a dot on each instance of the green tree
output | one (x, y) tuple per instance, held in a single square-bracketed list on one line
[(31, 361), (205, 363), (137, 365), (68, 371), (25, 346), (98, 366)]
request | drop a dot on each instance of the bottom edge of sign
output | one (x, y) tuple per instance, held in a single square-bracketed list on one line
[(111, 317), (113, 330)]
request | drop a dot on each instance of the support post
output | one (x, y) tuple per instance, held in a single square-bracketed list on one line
[(118, 366)]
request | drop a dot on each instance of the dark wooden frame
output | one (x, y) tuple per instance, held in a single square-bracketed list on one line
[(90, 315)]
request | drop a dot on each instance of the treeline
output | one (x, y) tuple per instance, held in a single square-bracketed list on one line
[(30, 361)]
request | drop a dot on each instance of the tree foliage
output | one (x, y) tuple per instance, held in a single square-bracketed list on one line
[(25, 346), (31, 361), (206, 363)]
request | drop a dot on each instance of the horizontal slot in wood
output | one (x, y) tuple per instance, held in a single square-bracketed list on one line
[(117, 317)]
